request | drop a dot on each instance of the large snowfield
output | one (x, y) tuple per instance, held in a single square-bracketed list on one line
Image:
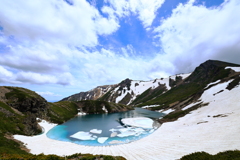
[(212, 128)]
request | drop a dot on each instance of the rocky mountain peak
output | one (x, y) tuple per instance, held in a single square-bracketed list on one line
[(125, 83)]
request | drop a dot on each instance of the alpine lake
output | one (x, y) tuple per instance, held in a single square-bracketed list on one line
[(104, 129)]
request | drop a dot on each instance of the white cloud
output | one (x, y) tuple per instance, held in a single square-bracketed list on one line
[(36, 78), (5, 75), (194, 34), (47, 93), (144, 9), (49, 47), (54, 20)]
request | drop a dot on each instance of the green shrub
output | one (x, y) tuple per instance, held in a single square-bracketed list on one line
[(227, 155)]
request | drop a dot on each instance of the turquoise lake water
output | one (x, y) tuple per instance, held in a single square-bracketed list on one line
[(104, 122)]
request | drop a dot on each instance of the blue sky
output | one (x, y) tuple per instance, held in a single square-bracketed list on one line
[(61, 47)]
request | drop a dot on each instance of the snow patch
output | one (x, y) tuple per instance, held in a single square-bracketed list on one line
[(104, 109), (150, 106), (236, 69), (168, 111), (190, 105), (212, 83), (81, 113)]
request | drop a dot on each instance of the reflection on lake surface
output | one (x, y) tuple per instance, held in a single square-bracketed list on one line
[(105, 128)]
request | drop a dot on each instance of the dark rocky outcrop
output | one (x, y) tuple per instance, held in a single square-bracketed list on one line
[(26, 101), (96, 107)]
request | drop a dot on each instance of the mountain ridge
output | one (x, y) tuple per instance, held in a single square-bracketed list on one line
[(173, 92), (128, 91)]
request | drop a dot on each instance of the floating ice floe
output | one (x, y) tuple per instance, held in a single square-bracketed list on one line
[(102, 139), (96, 131), (142, 122), (83, 136), (113, 134), (125, 132), (113, 130)]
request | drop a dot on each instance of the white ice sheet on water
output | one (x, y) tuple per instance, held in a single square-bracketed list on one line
[(83, 136), (138, 122), (102, 139), (96, 131)]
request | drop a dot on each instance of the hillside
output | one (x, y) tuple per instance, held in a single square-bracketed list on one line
[(21, 108), (206, 75)]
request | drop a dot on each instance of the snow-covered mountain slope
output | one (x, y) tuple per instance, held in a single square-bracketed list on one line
[(172, 92), (90, 95), (206, 75), (136, 88), (128, 90)]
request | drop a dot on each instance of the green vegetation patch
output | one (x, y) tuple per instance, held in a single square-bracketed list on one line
[(60, 112), (179, 93), (234, 83), (227, 155), (20, 93), (106, 96), (3, 105), (93, 107), (8, 146), (148, 95), (181, 113), (10, 121)]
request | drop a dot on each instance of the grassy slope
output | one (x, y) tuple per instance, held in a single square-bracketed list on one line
[(204, 74), (60, 112), (21, 94), (10, 124)]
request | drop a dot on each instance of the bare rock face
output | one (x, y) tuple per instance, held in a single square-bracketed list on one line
[(93, 94), (96, 107), (26, 101), (3, 91)]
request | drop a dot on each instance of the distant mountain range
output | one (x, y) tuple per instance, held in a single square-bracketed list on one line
[(174, 91), (128, 91)]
